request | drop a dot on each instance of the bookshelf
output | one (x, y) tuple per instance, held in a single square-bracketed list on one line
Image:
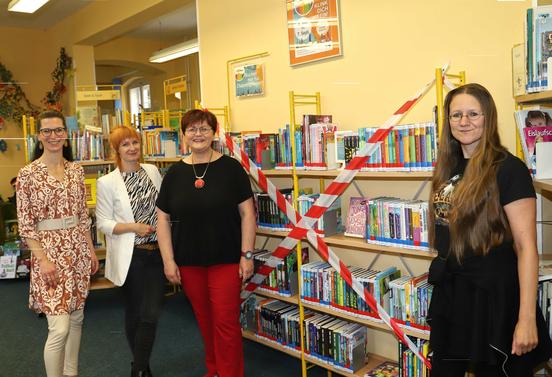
[(542, 186)]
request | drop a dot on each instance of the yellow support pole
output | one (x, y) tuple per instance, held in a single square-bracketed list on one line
[(299, 253), (439, 96), (25, 139)]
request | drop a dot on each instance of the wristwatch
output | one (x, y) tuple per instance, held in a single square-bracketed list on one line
[(247, 254)]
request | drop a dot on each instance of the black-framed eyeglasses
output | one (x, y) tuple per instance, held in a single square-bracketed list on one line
[(59, 131), (457, 116), (193, 130)]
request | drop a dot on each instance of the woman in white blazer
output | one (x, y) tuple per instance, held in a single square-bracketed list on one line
[(125, 212)]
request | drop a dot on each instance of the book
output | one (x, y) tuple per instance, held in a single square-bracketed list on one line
[(8, 266), (531, 118), (519, 75), (532, 136), (90, 187), (385, 369), (357, 217)]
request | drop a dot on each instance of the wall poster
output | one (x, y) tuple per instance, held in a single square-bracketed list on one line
[(313, 30), (249, 80)]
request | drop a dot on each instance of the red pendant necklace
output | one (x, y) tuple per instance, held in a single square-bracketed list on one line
[(199, 182)]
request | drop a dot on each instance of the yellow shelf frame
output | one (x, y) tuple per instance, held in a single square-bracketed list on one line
[(439, 88)]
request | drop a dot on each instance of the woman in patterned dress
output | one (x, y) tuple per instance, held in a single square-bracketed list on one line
[(53, 220), (125, 210)]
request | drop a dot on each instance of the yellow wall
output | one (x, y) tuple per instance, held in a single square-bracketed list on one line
[(390, 50), (30, 56)]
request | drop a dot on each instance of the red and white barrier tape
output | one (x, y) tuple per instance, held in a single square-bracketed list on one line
[(303, 226)]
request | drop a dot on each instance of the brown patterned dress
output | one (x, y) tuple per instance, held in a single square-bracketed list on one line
[(40, 196)]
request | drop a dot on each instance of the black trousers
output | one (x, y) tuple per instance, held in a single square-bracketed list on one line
[(143, 293), (457, 368)]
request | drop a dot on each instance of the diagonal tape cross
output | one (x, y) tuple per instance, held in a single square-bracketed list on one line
[(303, 225)]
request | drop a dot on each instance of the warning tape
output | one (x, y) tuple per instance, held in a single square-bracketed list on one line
[(303, 225)]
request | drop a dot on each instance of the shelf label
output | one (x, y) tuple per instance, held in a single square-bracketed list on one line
[(98, 95)]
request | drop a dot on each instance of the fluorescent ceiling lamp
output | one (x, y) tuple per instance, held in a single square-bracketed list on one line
[(177, 51), (25, 6)]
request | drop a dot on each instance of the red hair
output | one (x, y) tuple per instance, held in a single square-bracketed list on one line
[(116, 137)]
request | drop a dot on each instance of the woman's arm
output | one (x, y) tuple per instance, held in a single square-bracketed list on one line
[(248, 232), (521, 215), (165, 246), (105, 218)]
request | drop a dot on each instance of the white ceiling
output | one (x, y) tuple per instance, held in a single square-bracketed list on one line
[(180, 24)]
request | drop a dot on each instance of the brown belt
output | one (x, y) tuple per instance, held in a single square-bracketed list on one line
[(148, 246)]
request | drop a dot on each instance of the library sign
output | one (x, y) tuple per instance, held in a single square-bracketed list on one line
[(98, 95)]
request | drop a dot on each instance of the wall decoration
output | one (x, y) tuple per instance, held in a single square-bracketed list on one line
[(13, 101), (52, 99), (313, 30), (249, 80)]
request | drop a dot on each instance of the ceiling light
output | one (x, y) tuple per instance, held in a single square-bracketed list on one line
[(25, 6), (177, 51)]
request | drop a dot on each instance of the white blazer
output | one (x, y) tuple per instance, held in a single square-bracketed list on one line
[(112, 207)]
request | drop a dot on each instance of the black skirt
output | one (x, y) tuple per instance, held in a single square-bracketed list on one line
[(474, 310)]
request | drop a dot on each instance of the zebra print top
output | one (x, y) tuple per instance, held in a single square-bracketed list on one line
[(142, 194)]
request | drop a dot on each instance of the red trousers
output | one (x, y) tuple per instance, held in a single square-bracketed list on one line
[(214, 293)]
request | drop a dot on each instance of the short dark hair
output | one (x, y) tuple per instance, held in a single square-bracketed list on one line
[(198, 116), (67, 151), (13, 180)]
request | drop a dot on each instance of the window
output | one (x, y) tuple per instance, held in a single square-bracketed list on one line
[(140, 99)]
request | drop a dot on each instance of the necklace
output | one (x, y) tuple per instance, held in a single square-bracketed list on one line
[(199, 182)]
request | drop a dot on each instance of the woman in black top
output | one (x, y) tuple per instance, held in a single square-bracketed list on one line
[(483, 314), (206, 232)]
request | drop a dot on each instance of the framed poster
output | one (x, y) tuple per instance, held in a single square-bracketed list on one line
[(313, 30), (249, 80)]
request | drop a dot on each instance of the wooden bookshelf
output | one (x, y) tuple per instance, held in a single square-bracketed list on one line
[(100, 283), (340, 240), (530, 98), (95, 162), (383, 175), (363, 321), (278, 173), (100, 253), (373, 360), (163, 159), (543, 184)]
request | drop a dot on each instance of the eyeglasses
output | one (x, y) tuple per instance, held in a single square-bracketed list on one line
[(202, 130), (60, 131), (457, 116)]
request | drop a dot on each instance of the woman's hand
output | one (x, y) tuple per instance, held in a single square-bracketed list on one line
[(525, 336), (48, 272), (246, 268), (172, 272), (94, 264), (143, 230)]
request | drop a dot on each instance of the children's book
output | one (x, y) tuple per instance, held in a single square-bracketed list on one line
[(357, 217), (532, 136)]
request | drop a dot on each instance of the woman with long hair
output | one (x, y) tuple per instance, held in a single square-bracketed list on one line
[(483, 314), (125, 209), (53, 221)]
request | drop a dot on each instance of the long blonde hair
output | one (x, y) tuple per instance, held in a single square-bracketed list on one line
[(476, 218)]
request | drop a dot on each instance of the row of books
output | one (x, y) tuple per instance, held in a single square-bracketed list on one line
[(88, 145), (283, 280), (161, 143), (269, 216), (404, 298), (330, 222), (538, 47), (389, 221), (331, 340), (320, 146)]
